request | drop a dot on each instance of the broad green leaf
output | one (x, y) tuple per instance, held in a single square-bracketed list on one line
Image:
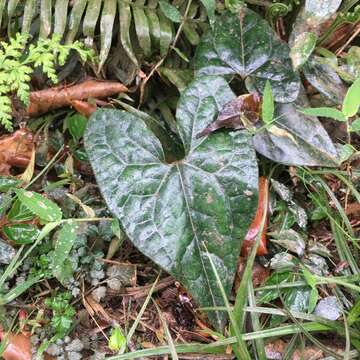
[(29, 12), (322, 8), (90, 20), (268, 104), (324, 112), (171, 210), (142, 29), (117, 339), (170, 11), (64, 243), (42, 207), (302, 49), (304, 142), (106, 29), (21, 233), (245, 44), (324, 79), (60, 17), (8, 182), (45, 18), (352, 99)]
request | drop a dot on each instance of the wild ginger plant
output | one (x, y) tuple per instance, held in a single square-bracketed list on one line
[(17, 65)]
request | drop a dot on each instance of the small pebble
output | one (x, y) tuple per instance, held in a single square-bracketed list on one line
[(75, 345), (99, 293)]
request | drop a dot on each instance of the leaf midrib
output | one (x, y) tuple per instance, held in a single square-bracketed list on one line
[(197, 241)]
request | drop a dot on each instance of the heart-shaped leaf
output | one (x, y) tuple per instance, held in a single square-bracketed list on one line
[(245, 44), (300, 139), (174, 212)]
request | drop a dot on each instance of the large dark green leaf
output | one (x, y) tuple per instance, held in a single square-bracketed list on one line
[(170, 211), (324, 79), (245, 44), (302, 140)]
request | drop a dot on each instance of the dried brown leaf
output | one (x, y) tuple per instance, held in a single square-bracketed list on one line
[(238, 113)]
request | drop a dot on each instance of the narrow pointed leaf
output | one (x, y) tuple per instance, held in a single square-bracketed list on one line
[(2, 7), (75, 19), (106, 29), (154, 26), (245, 44), (352, 99), (210, 6), (268, 104), (45, 18), (324, 112), (29, 12), (169, 211), (142, 29), (90, 20), (170, 11), (166, 34), (60, 16), (64, 243), (125, 23)]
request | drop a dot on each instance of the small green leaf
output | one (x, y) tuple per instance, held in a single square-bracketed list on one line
[(355, 125), (309, 278), (314, 296), (76, 125), (170, 11), (21, 233), (8, 182), (352, 99), (64, 243), (325, 112), (303, 47), (117, 339), (19, 212), (268, 104), (346, 151), (42, 207)]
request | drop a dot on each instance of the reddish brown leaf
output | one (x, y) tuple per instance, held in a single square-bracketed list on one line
[(15, 150), (259, 273), (18, 347), (236, 114), (54, 98), (255, 227)]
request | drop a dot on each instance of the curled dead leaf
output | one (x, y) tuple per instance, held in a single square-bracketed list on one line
[(255, 227), (57, 97), (15, 150), (83, 107), (239, 113)]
